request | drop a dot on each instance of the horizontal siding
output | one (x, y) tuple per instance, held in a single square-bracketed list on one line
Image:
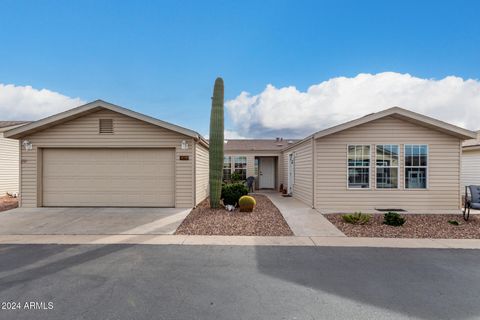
[(303, 181), (470, 168), (201, 173), (9, 165), (331, 191), (128, 133)]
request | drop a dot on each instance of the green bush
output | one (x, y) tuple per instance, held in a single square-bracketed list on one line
[(454, 222), (235, 177), (393, 219), (247, 203), (232, 192), (356, 218)]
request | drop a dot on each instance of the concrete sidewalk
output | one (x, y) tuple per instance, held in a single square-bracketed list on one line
[(243, 241), (302, 219)]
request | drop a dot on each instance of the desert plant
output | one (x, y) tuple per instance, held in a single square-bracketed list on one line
[(393, 219), (453, 222), (247, 203), (235, 177), (356, 218), (232, 192), (216, 144)]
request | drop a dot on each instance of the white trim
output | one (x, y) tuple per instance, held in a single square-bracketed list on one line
[(427, 187), (369, 167)]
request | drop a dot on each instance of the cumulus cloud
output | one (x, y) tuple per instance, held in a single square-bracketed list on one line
[(27, 103), (289, 112)]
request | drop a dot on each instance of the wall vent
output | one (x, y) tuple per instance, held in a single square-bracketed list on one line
[(105, 126)]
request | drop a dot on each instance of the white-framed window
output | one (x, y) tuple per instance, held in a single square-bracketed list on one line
[(237, 164), (240, 166), (416, 166), (358, 158), (387, 164), (227, 167)]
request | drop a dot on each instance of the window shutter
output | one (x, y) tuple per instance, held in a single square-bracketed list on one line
[(105, 126)]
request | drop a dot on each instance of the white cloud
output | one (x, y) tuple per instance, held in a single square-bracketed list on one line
[(27, 103), (289, 112), (228, 134)]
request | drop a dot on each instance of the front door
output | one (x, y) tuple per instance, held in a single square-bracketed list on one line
[(267, 173)]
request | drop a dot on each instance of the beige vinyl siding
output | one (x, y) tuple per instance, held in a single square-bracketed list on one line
[(201, 173), (303, 184), (83, 132), (251, 162), (331, 193), (9, 165), (470, 168)]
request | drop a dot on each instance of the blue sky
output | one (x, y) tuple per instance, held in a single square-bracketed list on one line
[(161, 57)]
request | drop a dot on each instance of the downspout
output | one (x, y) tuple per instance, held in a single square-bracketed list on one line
[(194, 173), (314, 167)]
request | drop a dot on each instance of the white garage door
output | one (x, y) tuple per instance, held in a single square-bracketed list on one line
[(109, 177)]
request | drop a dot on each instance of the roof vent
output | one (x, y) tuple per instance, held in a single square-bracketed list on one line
[(105, 126), (290, 141)]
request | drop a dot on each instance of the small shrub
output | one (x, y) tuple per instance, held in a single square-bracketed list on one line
[(393, 219), (453, 222), (235, 177), (247, 203), (356, 218), (231, 193)]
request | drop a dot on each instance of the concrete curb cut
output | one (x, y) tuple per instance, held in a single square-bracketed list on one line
[(243, 241)]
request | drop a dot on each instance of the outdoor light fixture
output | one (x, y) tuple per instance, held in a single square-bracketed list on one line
[(27, 145), (184, 145)]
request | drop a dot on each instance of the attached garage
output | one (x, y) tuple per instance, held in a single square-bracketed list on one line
[(109, 177), (101, 155)]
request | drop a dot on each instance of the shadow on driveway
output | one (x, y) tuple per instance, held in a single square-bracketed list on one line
[(430, 284)]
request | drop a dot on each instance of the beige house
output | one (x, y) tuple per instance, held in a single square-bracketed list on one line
[(100, 155), (470, 162), (394, 159), (259, 158), (9, 159)]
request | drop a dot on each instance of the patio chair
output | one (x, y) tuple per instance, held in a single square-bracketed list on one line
[(250, 183), (472, 201)]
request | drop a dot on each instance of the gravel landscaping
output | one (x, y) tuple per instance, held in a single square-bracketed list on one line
[(7, 203), (416, 226), (265, 220)]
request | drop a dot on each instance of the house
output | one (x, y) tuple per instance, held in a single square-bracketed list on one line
[(103, 155), (9, 159), (259, 158), (393, 159), (470, 162)]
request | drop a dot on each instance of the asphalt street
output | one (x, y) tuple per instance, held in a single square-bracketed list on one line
[(239, 282)]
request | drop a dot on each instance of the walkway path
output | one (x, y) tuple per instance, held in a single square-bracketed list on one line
[(302, 219)]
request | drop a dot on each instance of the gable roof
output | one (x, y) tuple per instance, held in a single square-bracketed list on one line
[(7, 125), (405, 115), (257, 144), (90, 108), (472, 144)]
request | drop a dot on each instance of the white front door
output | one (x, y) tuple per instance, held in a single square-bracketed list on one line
[(267, 173)]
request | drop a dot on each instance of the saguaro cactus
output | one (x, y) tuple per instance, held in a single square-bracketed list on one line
[(216, 144)]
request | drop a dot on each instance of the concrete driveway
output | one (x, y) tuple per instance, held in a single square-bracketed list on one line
[(101, 221)]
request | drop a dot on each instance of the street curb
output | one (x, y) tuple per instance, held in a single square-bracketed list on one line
[(150, 239)]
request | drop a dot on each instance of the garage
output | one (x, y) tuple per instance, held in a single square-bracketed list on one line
[(104, 155), (109, 177)]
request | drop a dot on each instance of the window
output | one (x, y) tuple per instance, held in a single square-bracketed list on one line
[(416, 165), (387, 166), (240, 166), (256, 168), (227, 168), (358, 166), (237, 164)]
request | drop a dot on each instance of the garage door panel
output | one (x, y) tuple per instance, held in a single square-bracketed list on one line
[(113, 177)]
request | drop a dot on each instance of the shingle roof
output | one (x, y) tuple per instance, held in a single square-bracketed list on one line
[(257, 144), (4, 124)]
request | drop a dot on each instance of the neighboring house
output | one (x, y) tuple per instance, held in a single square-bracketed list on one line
[(259, 158), (9, 159), (102, 155), (471, 162), (393, 159)]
